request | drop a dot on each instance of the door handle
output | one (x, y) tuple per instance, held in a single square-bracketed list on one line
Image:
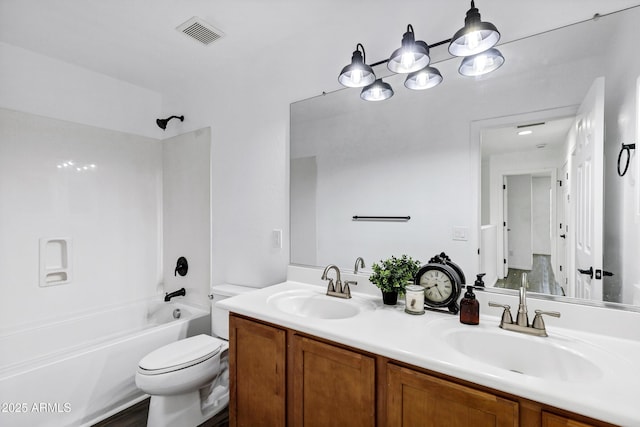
[(588, 272), (600, 273), (564, 236)]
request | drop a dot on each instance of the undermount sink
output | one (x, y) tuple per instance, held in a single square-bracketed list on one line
[(552, 358), (306, 303)]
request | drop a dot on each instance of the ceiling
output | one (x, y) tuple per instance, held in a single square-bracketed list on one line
[(545, 135), (280, 40)]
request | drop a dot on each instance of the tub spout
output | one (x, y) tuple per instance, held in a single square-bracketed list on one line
[(179, 293)]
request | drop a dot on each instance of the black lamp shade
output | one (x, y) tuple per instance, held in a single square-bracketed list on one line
[(482, 63), (377, 91), (411, 56), (356, 74), (475, 37), (423, 79)]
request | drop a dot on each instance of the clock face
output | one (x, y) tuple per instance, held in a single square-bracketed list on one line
[(441, 283), (437, 285)]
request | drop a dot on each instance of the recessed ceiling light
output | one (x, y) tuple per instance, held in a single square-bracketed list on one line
[(525, 132)]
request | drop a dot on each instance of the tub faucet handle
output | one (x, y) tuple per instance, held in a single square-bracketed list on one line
[(182, 266)]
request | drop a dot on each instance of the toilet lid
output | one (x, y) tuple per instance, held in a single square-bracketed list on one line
[(180, 354)]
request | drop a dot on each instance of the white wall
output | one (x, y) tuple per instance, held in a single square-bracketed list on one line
[(303, 211), (37, 84), (109, 212), (58, 112), (186, 212)]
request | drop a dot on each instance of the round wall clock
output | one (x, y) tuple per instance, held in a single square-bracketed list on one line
[(442, 282)]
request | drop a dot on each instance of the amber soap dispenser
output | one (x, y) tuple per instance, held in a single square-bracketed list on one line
[(469, 308)]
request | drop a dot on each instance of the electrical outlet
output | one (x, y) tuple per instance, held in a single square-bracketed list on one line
[(277, 238)]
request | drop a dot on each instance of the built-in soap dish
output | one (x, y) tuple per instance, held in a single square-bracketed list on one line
[(55, 261)]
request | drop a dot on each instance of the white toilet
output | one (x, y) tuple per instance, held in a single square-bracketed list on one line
[(188, 380)]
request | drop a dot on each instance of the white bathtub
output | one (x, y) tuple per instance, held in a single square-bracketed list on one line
[(80, 370)]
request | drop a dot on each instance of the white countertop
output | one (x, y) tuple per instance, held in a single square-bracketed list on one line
[(390, 332)]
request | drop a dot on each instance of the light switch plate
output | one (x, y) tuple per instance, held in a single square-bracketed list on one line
[(277, 238), (460, 233)]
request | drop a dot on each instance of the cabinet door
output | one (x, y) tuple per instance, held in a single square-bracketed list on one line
[(553, 420), (332, 386), (257, 374), (417, 399)]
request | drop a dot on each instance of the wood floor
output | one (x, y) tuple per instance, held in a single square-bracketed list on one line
[(136, 416)]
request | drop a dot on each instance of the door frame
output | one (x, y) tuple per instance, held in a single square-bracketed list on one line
[(475, 141), (502, 176)]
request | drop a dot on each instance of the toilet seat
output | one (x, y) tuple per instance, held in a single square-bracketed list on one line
[(180, 355)]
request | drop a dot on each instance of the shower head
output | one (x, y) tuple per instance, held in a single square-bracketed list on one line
[(162, 123)]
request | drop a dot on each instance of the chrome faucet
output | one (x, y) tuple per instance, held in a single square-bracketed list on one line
[(359, 263), (522, 320), (337, 290)]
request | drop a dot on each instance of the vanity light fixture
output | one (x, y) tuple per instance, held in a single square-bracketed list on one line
[(423, 79), (358, 73), (411, 56), (481, 63), (475, 42), (475, 37), (377, 91)]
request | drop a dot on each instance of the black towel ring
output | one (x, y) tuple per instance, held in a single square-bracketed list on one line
[(627, 148)]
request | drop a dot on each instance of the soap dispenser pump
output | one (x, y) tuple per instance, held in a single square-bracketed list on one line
[(479, 283), (469, 308)]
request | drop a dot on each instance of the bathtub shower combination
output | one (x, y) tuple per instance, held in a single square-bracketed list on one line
[(80, 370)]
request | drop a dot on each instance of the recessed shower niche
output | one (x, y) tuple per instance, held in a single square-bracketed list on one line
[(55, 261)]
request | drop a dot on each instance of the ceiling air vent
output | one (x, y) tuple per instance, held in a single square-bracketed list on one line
[(199, 30)]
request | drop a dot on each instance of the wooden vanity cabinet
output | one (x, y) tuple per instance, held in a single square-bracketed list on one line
[(417, 399), (331, 383), (280, 377), (257, 374), (553, 420)]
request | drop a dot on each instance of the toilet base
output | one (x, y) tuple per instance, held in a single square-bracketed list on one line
[(182, 410)]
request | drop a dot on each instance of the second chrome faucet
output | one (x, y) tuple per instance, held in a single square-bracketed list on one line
[(522, 319)]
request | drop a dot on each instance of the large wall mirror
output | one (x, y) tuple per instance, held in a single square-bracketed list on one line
[(512, 172)]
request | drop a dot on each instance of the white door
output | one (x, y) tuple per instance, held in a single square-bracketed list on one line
[(587, 189), (562, 237)]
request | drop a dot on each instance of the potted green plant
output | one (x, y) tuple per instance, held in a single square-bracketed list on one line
[(391, 276)]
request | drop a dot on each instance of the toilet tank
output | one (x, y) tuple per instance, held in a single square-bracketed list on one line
[(219, 316)]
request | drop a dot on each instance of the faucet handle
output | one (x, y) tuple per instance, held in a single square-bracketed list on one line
[(345, 289), (506, 314), (538, 322)]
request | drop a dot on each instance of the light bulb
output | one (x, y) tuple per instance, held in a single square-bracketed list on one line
[(472, 40), (422, 79), (356, 76), (481, 62), (376, 92), (407, 60)]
